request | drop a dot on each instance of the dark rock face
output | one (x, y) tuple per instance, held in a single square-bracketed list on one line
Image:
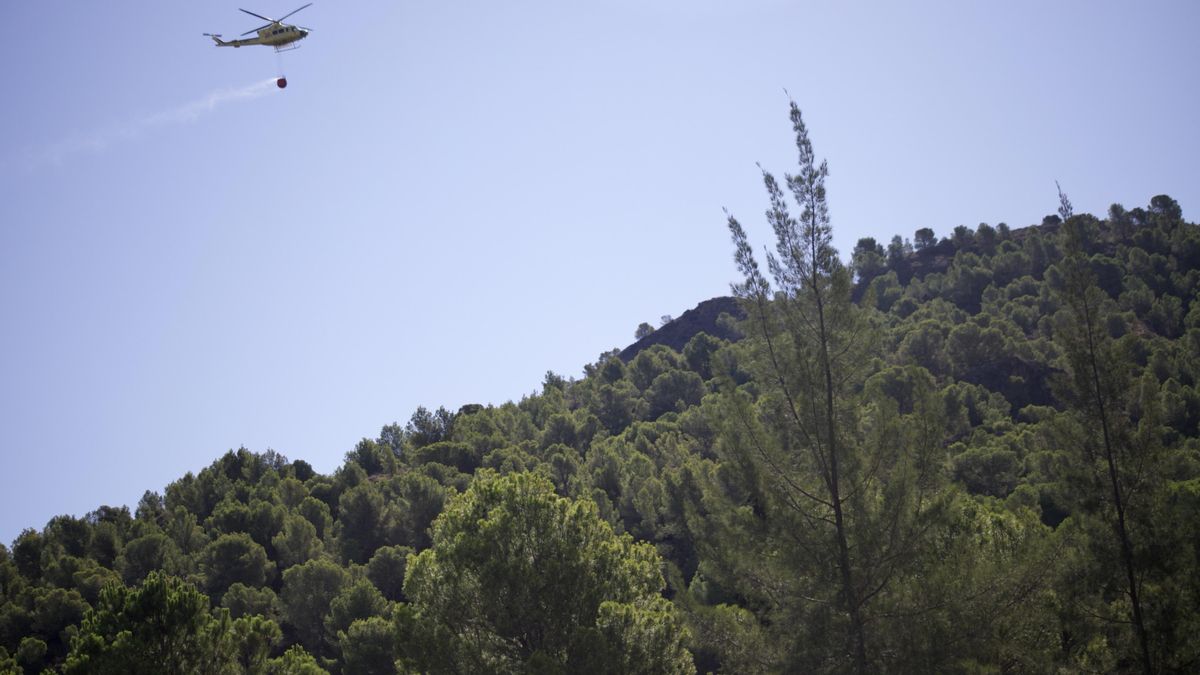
[(703, 318)]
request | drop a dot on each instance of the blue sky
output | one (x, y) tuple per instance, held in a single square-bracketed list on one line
[(452, 198)]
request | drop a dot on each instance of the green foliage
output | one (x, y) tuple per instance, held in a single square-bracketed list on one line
[(367, 647), (27, 554), (981, 599), (242, 600), (297, 543), (357, 601), (988, 470), (518, 577), (31, 653), (295, 661), (316, 512), (1116, 471), (255, 637), (360, 522), (420, 498), (373, 457), (55, 613), (426, 428), (69, 535), (308, 591), (841, 479), (674, 391), (235, 558), (729, 639), (924, 238), (386, 571), (163, 626)]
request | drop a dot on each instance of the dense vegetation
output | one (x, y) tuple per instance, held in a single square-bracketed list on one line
[(971, 454)]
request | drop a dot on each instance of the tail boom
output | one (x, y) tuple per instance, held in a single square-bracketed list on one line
[(216, 37)]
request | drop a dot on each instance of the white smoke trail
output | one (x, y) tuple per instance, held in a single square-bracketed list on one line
[(99, 141), (194, 110)]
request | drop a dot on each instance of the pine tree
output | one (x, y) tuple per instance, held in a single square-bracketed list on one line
[(840, 481), (1115, 465)]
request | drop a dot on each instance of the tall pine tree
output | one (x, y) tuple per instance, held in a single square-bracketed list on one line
[(1114, 468), (838, 480)]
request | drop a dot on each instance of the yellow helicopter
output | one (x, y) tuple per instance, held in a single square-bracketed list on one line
[(281, 36)]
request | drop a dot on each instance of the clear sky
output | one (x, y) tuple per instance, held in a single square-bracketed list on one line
[(452, 198)]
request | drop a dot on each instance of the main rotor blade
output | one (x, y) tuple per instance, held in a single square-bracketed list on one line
[(264, 18), (259, 28), (293, 12)]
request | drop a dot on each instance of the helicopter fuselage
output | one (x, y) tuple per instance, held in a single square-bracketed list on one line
[(281, 34), (274, 35)]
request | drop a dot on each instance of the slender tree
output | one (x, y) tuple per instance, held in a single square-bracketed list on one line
[(848, 496), (1098, 393)]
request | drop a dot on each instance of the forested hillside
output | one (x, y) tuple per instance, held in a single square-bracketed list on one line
[(974, 453)]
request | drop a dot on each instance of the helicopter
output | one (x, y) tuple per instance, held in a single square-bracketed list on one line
[(281, 36)]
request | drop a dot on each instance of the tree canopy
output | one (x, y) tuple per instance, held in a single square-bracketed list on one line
[(518, 577)]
